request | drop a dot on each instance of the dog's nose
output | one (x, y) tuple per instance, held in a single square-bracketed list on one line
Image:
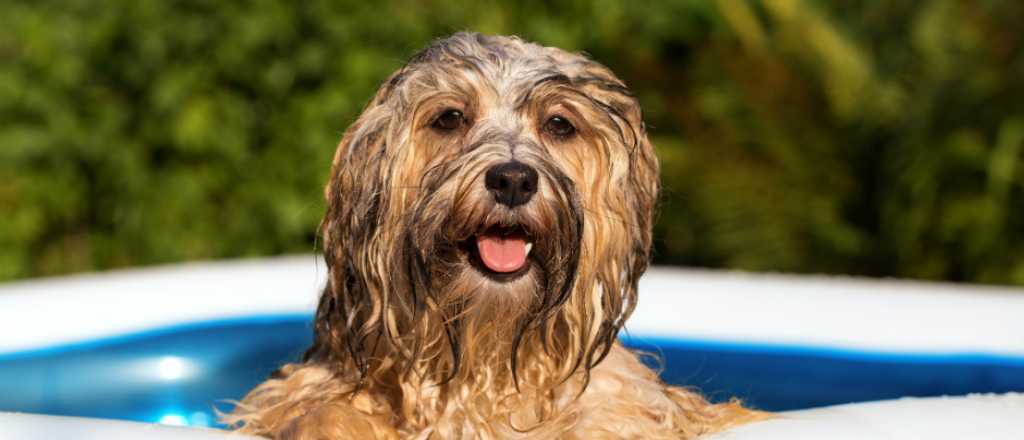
[(513, 183)]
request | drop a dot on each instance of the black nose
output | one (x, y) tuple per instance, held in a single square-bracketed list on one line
[(512, 183)]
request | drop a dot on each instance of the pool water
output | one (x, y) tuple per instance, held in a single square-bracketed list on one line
[(180, 374)]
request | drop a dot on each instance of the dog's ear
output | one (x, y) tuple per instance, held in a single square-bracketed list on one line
[(645, 183), (622, 215), (351, 231)]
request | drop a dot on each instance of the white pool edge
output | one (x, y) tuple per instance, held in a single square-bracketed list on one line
[(737, 308)]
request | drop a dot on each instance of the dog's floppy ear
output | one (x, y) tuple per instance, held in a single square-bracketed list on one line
[(641, 191), (348, 311), (641, 183), (645, 184), (629, 198)]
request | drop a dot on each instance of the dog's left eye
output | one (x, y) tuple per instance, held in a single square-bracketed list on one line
[(560, 127), (449, 120)]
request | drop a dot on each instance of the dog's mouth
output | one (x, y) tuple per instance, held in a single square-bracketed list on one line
[(500, 252)]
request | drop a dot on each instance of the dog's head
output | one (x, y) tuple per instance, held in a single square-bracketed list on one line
[(494, 198)]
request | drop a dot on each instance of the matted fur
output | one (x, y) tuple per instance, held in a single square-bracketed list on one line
[(412, 340)]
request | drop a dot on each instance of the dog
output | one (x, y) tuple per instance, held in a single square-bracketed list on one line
[(488, 219)]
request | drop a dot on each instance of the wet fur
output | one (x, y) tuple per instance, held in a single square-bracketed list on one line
[(411, 340)]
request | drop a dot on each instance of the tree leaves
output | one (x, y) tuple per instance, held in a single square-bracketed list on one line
[(874, 138)]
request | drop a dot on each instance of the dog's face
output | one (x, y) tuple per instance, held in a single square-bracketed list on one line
[(494, 195)]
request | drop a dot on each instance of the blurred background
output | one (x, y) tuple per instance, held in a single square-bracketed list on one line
[(856, 137), (852, 137)]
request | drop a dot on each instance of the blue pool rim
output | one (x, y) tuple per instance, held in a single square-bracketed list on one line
[(646, 343), (127, 337), (237, 353)]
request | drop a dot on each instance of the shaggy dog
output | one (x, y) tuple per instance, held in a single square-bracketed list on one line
[(488, 217)]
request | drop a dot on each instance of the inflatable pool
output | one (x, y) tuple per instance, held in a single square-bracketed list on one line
[(169, 345)]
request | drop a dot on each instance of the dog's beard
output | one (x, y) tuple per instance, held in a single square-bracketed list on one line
[(482, 309)]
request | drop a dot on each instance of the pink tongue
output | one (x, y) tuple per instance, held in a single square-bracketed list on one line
[(502, 254)]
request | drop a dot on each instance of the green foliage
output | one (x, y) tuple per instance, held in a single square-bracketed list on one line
[(861, 137)]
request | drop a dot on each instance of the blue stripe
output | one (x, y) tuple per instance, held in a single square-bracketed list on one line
[(638, 341), (114, 377), (128, 338), (786, 377)]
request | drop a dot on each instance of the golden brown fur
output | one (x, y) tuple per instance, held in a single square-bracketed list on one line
[(414, 340)]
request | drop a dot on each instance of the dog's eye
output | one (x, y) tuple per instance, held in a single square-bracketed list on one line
[(559, 127), (449, 120)]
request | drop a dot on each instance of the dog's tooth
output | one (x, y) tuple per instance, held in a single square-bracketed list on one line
[(528, 247)]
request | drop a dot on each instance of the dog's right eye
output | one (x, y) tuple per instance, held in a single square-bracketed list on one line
[(449, 120), (560, 127)]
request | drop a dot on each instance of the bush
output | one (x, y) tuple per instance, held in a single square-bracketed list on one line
[(873, 138)]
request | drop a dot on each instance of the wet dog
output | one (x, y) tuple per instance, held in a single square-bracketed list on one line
[(488, 218)]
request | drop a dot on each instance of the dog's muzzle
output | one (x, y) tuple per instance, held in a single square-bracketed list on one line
[(512, 184)]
